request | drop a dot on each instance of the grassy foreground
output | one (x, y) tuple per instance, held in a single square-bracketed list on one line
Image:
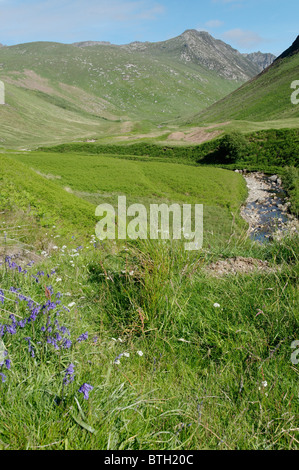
[(174, 357)]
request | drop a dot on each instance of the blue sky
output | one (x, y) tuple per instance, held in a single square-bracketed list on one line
[(247, 25)]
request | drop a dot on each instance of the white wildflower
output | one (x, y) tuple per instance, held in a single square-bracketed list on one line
[(140, 353), (216, 305)]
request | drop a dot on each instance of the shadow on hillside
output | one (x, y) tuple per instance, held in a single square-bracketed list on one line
[(212, 158)]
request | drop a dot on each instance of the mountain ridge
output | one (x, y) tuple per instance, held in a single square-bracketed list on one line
[(265, 97)]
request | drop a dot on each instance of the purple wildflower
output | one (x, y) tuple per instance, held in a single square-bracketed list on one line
[(83, 337), (22, 323), (66, 343), (3, 377), (69, 374), (30, 347), (11, 329), (85, 389)]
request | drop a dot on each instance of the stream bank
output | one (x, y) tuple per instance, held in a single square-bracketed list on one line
[(267, 208)]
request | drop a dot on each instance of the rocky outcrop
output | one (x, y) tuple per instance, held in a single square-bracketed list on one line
[(262, 60)]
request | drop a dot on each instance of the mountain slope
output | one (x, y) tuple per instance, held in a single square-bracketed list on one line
[(265, 97), (89, 89), (200, 48), (260, 59)]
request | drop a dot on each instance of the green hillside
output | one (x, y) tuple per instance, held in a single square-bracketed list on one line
[(266, 97), (57, 92), (102, 178), (23, 189), (174, 355)]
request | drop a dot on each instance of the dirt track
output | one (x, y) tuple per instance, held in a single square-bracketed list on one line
[(197, 134)]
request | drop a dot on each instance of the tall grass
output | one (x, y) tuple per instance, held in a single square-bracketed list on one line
[(169, 369)]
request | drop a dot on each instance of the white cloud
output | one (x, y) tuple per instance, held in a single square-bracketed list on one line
[(243, 38), (214, 23), (64, 18)]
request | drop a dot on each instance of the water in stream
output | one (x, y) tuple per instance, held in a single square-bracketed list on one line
[(266, 208)]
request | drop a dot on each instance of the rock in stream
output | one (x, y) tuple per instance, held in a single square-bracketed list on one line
[(267, 208)]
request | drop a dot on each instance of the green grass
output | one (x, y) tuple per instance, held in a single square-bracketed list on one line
[(101, 179), (209, 378), (57, 93), (268, 150), (267, 147), (266, 97), (22, 188)]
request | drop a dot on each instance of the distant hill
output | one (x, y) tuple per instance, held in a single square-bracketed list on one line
[(200, 48), (91, 43), (84, 89), (265, 97), (60, 92), (260, 59)]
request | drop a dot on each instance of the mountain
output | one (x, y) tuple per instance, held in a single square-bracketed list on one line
[(91, 43), (200, 48), (261, 59), (265, 97), (66, 91)]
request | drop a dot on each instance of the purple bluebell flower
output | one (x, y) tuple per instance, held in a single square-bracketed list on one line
[(53, 342), (69, 374), (65, 331), (83, 337), (30, 347), (14, 290), (85, 389), (66, 343), (11, 329), (3, 377), (58, 337), (22, 323)]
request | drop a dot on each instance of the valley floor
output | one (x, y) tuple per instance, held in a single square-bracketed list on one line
[(140, 345)]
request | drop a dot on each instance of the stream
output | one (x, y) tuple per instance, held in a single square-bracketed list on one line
[(266, 208)]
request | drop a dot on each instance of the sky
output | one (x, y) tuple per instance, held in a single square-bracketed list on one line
[(247, 25)]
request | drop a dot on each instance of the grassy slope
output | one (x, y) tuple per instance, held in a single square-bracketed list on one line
[(101, 179), (37, 121), (264, 98), (22, 188), (209, 378), (77, 85)]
